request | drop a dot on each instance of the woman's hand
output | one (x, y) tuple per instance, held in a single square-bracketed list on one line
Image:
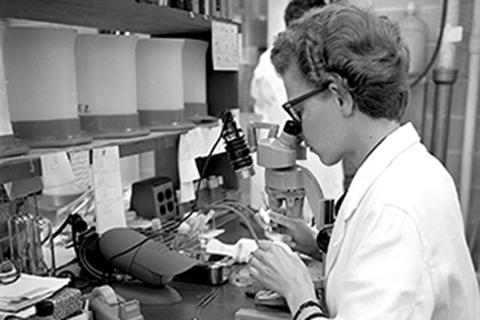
[(279, 269), (303, 237)]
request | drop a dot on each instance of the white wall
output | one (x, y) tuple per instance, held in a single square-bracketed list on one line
[(275, 24)]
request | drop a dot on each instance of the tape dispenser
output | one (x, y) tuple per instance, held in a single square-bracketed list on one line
[(107, 305)]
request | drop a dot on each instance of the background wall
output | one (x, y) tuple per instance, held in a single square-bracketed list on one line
[(253, 17), (275, 23), (421, 109), (264, 18)]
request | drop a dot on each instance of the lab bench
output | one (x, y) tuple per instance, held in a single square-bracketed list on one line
[(222, 91), (224, 306), (230, 298)]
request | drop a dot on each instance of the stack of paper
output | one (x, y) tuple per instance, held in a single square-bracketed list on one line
[(27, 291)]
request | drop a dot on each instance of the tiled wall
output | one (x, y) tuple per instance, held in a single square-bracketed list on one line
[(423, 96), (420, 111)]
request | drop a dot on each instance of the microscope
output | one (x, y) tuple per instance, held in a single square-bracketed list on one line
[(287, 183)]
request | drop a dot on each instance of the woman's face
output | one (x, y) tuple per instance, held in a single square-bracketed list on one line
[(321, 118)]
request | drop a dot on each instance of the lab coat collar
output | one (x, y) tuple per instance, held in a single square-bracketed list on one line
[(376, 163)]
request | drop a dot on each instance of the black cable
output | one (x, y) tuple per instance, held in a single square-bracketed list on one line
[(202, 176), (101, 271), (194, 204), (135, 246), (69, 263), (131, 248), (78, 281), (241, 216), (61, 227), (437, 46)]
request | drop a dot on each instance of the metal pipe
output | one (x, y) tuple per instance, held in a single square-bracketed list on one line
[(444, 80), (446, 57), (423, 124), (444, 76), (470, 111)]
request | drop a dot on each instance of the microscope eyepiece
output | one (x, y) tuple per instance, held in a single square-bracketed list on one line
[(293, 128)]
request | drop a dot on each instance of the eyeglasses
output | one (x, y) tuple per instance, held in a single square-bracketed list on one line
[(289, 106)]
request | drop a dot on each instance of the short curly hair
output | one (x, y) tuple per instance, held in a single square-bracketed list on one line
[(362, 52), (296, 8)]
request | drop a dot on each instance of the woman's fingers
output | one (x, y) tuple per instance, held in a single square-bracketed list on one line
[(282, 219), (265, 244), (268, 250), (254, 273), (272, 265)]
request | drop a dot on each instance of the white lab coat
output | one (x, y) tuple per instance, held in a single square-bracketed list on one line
[(398, 249), (268, 91)]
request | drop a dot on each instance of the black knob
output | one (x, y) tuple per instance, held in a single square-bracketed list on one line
[(44, 308)]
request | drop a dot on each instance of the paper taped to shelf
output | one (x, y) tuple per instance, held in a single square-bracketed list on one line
[(107, 181), (225, 49), (56, 170)]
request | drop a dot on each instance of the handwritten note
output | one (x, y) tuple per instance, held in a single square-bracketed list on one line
[(80, 162), (225, 50), (56, 170), (107, 182)]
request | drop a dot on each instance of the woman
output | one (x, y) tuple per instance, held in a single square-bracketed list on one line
[(397, 249)]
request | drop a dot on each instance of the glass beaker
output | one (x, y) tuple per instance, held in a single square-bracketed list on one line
[(27, 236)]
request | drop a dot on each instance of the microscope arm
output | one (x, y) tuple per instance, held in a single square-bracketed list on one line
[(315, 196)]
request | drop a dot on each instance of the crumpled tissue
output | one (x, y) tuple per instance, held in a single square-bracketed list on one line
[(240, 251)]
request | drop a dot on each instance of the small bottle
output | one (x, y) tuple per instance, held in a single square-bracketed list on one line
[(212, 184), (44, 310)]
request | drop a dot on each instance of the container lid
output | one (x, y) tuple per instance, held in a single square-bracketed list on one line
[(44, 308)]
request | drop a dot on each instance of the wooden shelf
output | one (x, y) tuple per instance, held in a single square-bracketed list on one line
[(124, 15), (28, 166), (121, 15)]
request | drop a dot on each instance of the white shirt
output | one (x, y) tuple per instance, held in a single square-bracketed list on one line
[(398, 249), (268, 91)]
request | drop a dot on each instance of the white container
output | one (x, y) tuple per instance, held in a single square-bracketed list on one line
[(8, 145), (195, 81), (194, 71), (160, 81), (5, 125), (106, 84), (41, 85)]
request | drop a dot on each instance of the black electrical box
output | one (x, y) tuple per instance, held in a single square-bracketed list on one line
[(155, 198)]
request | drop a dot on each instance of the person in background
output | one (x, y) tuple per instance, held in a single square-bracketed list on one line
[(398, 248), (269, 93)]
